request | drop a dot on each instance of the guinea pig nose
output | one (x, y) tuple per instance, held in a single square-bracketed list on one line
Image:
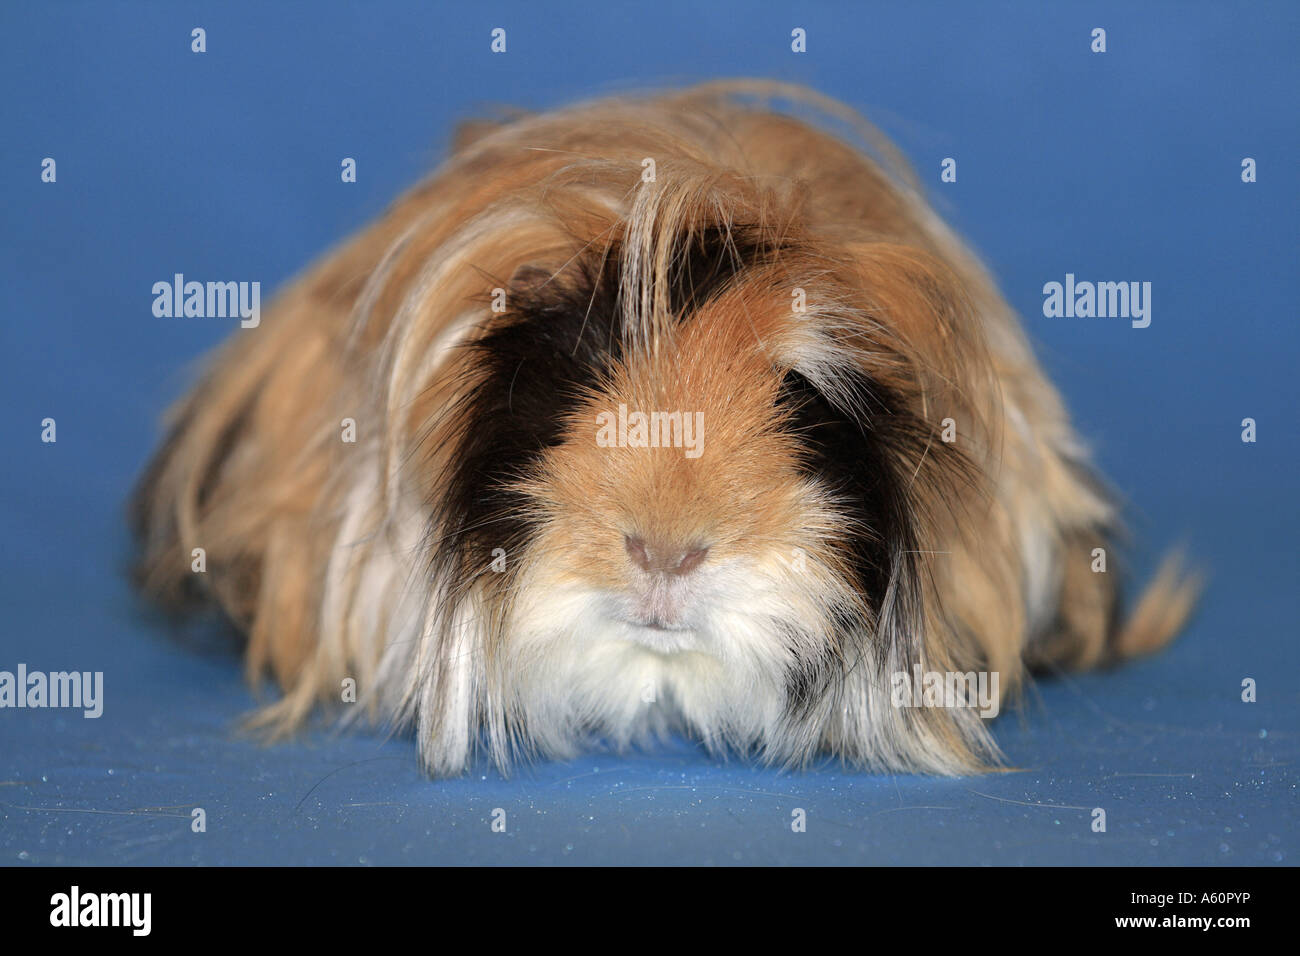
[(663, 559)]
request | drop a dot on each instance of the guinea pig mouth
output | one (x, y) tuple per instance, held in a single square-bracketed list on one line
[(656, 631), (655, 625), (657, 617), (660, 637)]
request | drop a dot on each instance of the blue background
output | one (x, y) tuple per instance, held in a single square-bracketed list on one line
[(1115, 166)]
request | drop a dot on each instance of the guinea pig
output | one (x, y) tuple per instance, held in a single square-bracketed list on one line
[(662, 414)]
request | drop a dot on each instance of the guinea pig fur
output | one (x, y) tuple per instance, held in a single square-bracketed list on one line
[(668, 414)]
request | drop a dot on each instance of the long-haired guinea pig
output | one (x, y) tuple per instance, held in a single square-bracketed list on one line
[(651, 415)]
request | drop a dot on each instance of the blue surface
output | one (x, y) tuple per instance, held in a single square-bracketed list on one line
[(1115, 166)]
